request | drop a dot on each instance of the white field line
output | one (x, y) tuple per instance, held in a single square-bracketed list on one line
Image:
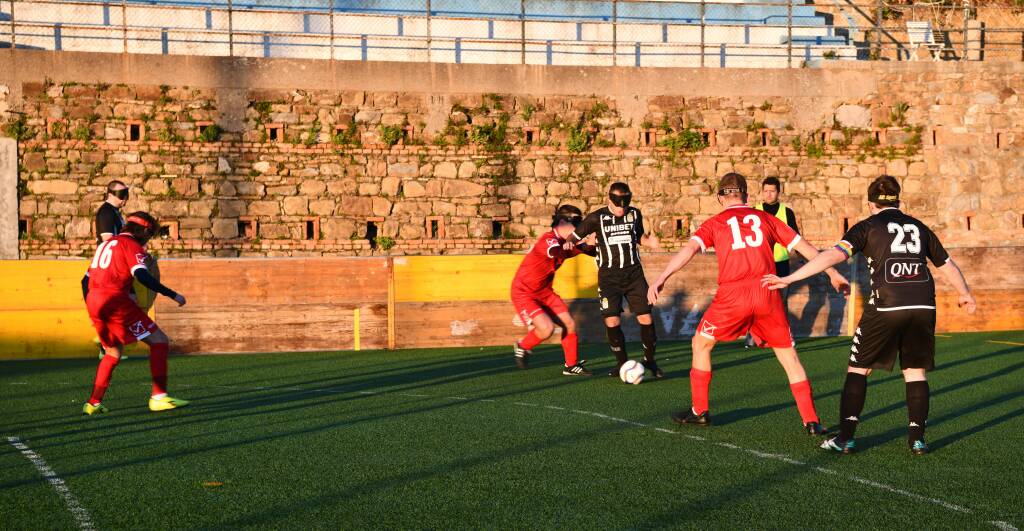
[(77, 510), (1013, 343), (1004, 526)]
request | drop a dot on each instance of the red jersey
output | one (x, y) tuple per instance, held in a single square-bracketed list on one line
[(114, 264), (744, 239), (537, 270)]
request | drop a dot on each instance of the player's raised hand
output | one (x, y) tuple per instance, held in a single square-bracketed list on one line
[(773, 282), (968, 303), (179, 298), (654, 292), (841, 285)]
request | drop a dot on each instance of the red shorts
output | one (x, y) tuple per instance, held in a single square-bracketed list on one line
[(118, 319), (529, 304), (747, 307)]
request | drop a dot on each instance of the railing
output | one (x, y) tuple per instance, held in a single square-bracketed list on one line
[(554, 32)]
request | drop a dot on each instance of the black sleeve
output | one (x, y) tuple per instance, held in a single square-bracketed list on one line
[(105, 222), (791, 220), (85, 285), (588, 226), (936, 252), (144, 278), (639, 223), (588, 250), (856, 237)]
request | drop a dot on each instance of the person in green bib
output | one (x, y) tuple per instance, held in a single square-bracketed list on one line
[(771, 188)]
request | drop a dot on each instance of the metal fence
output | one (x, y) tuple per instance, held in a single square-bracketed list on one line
[(554, 32)]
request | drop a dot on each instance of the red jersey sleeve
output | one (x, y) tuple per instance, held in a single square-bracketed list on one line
[(704, 236), (132, 255), (782, 233)]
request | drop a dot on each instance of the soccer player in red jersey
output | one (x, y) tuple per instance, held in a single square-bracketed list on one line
[(536, 303), (118, 319), (743, 239)]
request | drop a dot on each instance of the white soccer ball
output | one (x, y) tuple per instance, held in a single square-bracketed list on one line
[(632, 372)]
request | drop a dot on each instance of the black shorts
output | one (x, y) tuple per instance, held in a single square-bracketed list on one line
[(782, 268), (615, 284), (882, 336)]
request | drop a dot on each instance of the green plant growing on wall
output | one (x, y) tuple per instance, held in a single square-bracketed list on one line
[(814, 150), (686, 140), (578, 140), (898, 115), (385, 243), (528, 111), (492, 137), (262, 108), (766, 106), (754, 127), (495, 99), (313, 135), (210, 133), (390, 134), (18, 129), (347, 137), (169, 133)]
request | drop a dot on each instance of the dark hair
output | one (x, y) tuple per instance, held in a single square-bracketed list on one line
[(733, 184), (141, 225), (567, 213), (773, 181), (619, 188), (884, 191)]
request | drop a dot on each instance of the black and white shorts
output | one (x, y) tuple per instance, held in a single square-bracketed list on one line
[(883, 335), (615, 284)]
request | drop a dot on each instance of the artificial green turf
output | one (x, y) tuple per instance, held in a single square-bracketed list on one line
[(297, 443)]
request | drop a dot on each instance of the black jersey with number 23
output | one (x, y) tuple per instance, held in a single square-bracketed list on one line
[(617, 236), (896, 246)]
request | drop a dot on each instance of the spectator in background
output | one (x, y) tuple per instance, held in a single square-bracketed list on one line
[(771, 189), (109, 222)]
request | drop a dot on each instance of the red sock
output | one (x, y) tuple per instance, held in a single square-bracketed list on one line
[(103, 374), (531, 340), (700, 381), (570, 344), (158, 367), (804, 400)]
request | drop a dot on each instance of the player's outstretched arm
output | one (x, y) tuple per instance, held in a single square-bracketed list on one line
[(144, 278), (809, 252), (819, 263), (677, 262), (956, 277)]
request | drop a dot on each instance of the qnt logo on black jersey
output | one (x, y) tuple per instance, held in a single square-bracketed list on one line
[(902, 270)]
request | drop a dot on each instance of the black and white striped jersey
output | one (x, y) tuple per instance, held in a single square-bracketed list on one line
[(618, 237)]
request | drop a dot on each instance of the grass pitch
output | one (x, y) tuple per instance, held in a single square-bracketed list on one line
[(458, 438)]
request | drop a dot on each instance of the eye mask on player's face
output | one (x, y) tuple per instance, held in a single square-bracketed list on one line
[(121, 194), (621, 201)]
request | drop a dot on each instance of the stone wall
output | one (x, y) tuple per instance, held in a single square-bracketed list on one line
[(304, 170)]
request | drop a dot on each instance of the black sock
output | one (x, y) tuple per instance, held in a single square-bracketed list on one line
[(851, 404), (617, 341), (917, 409), (649, 338)]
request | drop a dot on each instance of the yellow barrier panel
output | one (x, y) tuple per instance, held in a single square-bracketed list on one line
[(481, 278), (42, 314)]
